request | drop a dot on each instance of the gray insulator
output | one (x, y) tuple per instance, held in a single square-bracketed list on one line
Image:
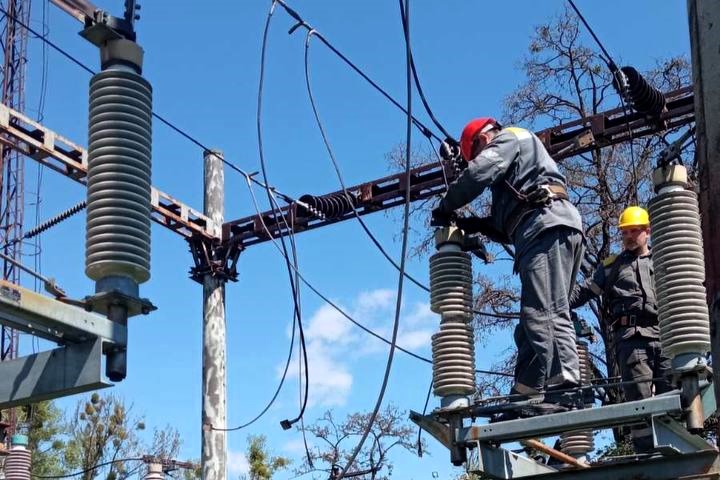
[(17, 464), (453, 353), (118, 211), (451, 284), (577, 444), (679, 265), (585, 366), (580, 442)]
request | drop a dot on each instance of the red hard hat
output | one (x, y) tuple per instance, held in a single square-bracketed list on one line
[(468, 133)]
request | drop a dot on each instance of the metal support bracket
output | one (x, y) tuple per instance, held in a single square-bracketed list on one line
[(50, 319), (215, 258), (440, 431), (55, 373), (504, 464), (671, 438)]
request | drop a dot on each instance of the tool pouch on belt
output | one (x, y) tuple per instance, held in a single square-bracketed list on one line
[(538, 197)]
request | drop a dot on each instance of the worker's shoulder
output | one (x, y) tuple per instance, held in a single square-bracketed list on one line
[(517, 132)]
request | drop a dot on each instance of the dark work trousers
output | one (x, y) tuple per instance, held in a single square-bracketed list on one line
[(545, 336), (641, 360)]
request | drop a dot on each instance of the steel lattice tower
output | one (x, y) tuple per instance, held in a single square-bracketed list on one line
[(12, 196)]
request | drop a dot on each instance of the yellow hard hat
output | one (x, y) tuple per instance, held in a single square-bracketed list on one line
[(634, 217)]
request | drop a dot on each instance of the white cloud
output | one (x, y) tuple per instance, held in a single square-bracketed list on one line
[(237, 463), (414, 339), (374, 300), (333, 344), (327, 324)]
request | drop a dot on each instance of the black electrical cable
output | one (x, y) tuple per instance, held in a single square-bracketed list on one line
[(618, 76), (338, 172), (403, 250), (420, 90), (184, 134), (286, 424), (303, 400), (608, 59), (91, 469), (277, 390), (335, 306), (427, 401), (337, 167), (301, 23)]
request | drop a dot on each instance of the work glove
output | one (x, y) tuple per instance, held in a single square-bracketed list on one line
[(484, 226), (449, 149), (441, 217)]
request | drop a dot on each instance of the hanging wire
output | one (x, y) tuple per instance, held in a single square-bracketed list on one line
[(420, 91), (286, 424), (162, 119), (91, 469), (336, 166), (301, 23), (341, 180), (334, 305), (419, 438), (403, 254), (618, 76), (277, 390)]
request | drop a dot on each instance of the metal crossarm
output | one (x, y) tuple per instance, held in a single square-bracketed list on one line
[(562, 141), (60, 154)]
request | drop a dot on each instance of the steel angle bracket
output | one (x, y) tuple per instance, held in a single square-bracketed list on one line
[(50, 319), (671, 438), (74, 367), (67, 370), (438, 430), (503, 464)]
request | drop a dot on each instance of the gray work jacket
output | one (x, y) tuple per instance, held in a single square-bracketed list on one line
[(517, 156), (631, 293)]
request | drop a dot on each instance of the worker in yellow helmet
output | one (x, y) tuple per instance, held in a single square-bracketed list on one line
[(625, 282)]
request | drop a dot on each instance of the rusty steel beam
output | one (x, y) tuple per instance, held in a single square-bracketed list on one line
[(562, 141), (60, 154), (78, 9)]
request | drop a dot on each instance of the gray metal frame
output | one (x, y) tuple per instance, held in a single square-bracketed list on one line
[(52, 374), (546, 425), (678, 453), (74, 367), (50, 319)]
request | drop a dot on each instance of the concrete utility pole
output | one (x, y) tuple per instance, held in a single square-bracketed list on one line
[(214, 390), (704, 19)]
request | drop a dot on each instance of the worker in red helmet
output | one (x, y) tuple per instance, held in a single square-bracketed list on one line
[(531, 211)]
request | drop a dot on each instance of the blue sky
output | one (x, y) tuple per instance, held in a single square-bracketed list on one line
[(203, 61)]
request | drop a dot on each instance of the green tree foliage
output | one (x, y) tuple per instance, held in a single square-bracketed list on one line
[(45, 427), (263, 465), (101, 429)]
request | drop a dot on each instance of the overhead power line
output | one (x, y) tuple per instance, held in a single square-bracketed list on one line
[(91, 469), (286, 424), (618, 76), (162, 119), (335, 306), (403, 250), (301, 23)]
